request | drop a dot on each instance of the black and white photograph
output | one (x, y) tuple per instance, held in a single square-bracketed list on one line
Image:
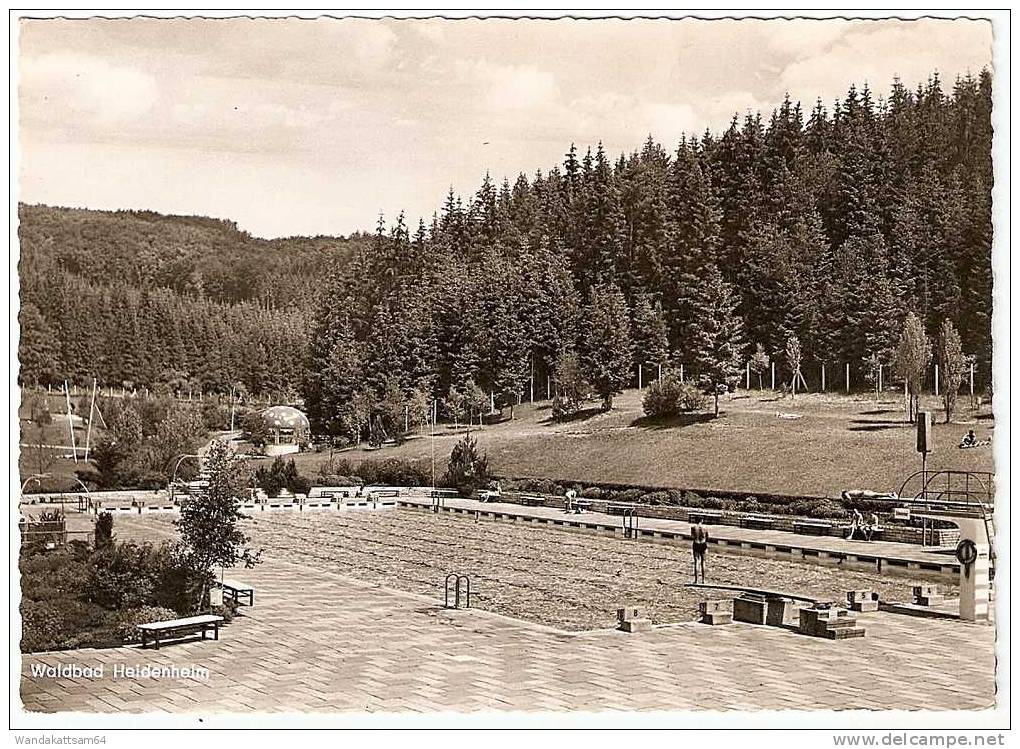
[(479, 370)]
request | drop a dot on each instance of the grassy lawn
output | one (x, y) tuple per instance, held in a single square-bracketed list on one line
[(840, 442)]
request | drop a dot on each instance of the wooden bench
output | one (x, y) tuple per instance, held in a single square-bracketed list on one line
[(578, 505), (813, 527), (179, 627), (236, 591), (388, 492), (756, 521), (705, 516), (531, 500), (488, 495)]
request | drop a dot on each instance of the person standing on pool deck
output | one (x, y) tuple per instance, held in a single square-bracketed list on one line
[(700, 537)]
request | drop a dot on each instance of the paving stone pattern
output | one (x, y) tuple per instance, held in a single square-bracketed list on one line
[(319, 642)]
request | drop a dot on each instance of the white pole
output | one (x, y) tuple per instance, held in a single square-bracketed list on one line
[(936, 379), (432, 433), (880, 378), (681, 373), (92, 411), (660, 371), (773, 375), (70, 424), (823, 377), (747, 376), (639, 385), (548, 387), (848, 377), (972, 381)]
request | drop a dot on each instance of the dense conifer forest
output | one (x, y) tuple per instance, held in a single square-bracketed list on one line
[(827, 224)]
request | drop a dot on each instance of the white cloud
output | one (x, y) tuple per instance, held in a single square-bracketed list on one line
[(519, 87), (85, 89), (358, 115)]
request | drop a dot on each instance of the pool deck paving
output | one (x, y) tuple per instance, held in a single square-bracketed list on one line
[(901, 557), (320, 642)]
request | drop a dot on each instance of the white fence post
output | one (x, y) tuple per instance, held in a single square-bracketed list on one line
[(639, 385), (936, 379), (747, 378), (823, 377), (848, 377), (773, 375)]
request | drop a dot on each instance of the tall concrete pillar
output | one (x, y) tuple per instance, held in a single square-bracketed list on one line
[(974, 577)]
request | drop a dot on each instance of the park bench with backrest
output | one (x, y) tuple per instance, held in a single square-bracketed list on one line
[(236, 590), (705, 516), (531, 500), (173, 628), (759, 522)]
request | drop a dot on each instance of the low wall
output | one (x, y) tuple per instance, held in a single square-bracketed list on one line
[(889, 532)]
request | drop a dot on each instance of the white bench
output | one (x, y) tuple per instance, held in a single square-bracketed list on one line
[(236, 591), (178, 627)]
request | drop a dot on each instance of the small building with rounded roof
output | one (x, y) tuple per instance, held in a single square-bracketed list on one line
[(286, 426)]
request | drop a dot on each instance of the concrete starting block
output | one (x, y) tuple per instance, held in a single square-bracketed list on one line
[(862, 600), (751, 608), (630, 620), (927, 595), (717, 612), (830, 622), (781, 612)]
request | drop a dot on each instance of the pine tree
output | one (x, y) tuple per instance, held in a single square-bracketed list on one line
[(607, 342), (651, 339), (717, 335)]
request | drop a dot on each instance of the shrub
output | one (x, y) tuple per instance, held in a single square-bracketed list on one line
[(669, 396), (660, 398), (690, 399), (467, 470), (818, 508), (104, 531), (593, 492), (228, 610), (630, 495), (560, 408), (657, 498), (65, 624)]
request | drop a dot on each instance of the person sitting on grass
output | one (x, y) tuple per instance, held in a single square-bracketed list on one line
[(969, 440)]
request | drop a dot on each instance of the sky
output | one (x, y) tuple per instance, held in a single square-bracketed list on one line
[(304, 127)]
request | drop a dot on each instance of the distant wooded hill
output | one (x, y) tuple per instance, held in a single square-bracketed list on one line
[(145, 299)]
